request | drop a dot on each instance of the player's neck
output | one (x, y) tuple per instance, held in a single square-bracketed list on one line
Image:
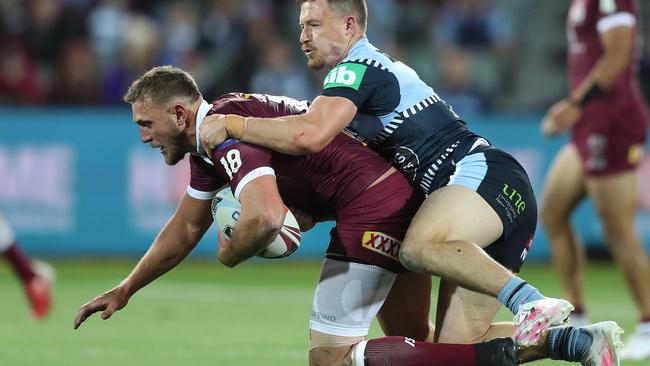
[(191, 132), (348, 47)]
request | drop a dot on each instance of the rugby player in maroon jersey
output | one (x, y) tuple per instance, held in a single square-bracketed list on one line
[(345, 181), (608, 121)]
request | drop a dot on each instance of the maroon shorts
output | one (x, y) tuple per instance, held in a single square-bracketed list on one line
[(610, 138), (371, 227)]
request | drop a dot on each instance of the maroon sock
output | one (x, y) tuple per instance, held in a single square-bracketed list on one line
[(405, 351), (19, 262)]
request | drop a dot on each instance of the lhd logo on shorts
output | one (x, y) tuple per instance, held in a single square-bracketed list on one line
[(381, 243)]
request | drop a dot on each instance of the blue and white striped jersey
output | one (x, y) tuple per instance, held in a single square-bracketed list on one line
[(400, 116)]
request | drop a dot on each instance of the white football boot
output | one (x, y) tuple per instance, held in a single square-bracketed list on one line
[(606, 344), (535, 317)]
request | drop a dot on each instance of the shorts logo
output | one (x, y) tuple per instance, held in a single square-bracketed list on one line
[(524, 253), (597, 144), (635, 154), (514, 197), (381, 243), (346, 75)]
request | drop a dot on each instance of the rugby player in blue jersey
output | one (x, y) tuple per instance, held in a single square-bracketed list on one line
[(477, 223)]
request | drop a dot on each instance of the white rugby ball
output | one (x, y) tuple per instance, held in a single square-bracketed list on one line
[(226, 210)]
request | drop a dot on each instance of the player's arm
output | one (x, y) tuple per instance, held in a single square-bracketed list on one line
[(262, 216), (618, 44), (295, 135), (174, 242)]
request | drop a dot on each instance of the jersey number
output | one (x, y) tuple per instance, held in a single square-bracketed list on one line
[(231, 162)]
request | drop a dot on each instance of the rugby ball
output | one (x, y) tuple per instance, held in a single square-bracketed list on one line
[(226, 210)]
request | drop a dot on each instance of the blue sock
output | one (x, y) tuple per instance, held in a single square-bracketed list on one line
[(516, 292), (569, 343)]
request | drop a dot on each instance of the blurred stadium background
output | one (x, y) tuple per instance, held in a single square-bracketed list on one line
[(81, 192)]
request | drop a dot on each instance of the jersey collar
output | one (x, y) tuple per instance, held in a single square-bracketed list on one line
[(200, 116), (362, 43)]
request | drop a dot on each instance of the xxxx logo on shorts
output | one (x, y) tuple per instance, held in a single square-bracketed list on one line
[(381, 243)]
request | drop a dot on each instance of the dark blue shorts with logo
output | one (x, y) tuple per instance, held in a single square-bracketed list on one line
[(371, 227), (504, 185)]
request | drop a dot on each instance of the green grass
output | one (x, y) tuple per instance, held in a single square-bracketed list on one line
[(205, 314)]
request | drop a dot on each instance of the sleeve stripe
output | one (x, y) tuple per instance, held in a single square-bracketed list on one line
[(255, 173), (616, 20), (200, 195)]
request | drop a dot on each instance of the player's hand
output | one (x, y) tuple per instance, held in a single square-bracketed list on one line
[(560, 118), (305, 221), (108, 302), (213, 132)]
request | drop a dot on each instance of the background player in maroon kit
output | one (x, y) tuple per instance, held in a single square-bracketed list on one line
[(344, 180), (608, 121), (35, 276)]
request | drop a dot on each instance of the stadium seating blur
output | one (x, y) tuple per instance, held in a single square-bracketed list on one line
[(478, 53)]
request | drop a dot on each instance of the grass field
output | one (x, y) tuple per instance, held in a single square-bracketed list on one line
[(206, 314)]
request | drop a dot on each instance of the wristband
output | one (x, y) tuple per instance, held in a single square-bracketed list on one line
[(236, 126), (592, 93)]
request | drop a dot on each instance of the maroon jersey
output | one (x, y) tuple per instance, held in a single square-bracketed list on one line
[(586, 21), (319, 184)]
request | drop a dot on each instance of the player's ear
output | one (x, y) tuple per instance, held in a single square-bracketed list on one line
[(349, 24), (180, 112)]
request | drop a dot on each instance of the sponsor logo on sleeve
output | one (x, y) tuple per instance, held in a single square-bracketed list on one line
[(381, 243), (346, 76)]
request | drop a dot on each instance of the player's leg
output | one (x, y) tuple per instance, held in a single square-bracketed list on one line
[(411, 296), (465, 316), (349, 296), (36, 284), (563, 190), (487, 197), (615, 199), (446, 238)]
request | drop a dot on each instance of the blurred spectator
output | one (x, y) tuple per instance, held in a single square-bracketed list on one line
[(106, 24), (457, 84), (140, 50), (181, 35), (279, 74), (225, 31), (46, 30), (473, 24), (76, 80), (19, 80)]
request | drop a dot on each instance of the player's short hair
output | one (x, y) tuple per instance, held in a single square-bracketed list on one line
[(161, 84), (358, 8)]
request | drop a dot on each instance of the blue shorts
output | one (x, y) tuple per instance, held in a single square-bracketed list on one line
[(504, 185)]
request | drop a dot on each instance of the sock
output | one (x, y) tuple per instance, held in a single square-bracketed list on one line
[(19, 262), (516, 292), (389, 351), (568, 343)]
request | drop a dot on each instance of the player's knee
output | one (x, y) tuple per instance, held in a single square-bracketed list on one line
[(409, 255), (331, 356), (616, 226), (551, 218)]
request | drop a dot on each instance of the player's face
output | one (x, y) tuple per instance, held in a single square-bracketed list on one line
[(159, 129), (323, 37)]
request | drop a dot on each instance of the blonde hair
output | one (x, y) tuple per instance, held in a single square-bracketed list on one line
[(358, 8), (161, 84)]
